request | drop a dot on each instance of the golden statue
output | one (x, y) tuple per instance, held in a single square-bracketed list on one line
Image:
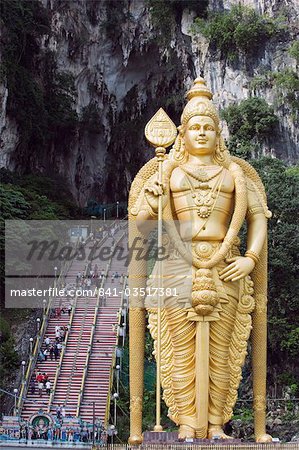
[(201, 333)]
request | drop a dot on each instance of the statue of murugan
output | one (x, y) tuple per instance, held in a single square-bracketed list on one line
[(221, 295)]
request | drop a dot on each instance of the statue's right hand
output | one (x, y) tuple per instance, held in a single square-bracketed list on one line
[(152, 193)]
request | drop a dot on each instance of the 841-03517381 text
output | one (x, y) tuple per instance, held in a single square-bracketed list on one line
[(139, 292)]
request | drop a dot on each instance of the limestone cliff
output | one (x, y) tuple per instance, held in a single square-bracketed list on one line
[(123, 71)]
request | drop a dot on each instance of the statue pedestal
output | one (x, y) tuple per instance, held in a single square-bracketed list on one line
[(171, 437)]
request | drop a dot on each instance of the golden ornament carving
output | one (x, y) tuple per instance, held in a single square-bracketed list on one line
[(259, 403), (261, 303), (136, 404), (160, 130)]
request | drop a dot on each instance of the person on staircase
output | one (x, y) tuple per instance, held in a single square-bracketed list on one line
[(56, 352), (51, 351), (61, 334), (59, 347), (57, 332), (63, 412), (40, 383), (69, 309), (58, 412), (46, 353), (48, 386), (32, 385), (45, 378)]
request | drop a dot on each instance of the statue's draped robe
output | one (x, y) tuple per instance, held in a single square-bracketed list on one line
[(229, 333)]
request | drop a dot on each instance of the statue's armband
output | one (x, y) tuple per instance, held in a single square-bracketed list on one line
[(254, 202)]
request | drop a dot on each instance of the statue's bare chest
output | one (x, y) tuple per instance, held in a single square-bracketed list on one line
[(187, 179)]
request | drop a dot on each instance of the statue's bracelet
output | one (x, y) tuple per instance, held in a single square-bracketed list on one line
[(252, 255)]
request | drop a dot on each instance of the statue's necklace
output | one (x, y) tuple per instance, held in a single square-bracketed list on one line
[(206, 197), (200, 174)]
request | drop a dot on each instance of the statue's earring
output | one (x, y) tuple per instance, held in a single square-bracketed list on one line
[(179, 151), (219, 151)]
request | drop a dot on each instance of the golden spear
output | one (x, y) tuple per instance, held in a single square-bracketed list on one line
[(161, 133)]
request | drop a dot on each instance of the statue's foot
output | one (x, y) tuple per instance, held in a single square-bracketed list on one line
[(217, 431), (186, 432), (263, 438)]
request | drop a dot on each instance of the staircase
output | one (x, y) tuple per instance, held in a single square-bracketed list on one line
[(103, 336), (97, 383), (33, 402), (71, 372)]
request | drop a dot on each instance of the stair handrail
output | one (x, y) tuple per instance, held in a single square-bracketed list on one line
[(113, 362), (114, 354), (80, 395), (91, 341), (40, 336), (58, 368), (91, 334), (37, 346), (82, 325)]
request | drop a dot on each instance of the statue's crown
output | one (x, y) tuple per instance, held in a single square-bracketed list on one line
[(199, 89), (199, 103)]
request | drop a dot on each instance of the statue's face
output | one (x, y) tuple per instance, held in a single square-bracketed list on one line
[(200, 136)]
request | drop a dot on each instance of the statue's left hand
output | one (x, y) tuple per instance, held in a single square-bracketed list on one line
[(240, 267)]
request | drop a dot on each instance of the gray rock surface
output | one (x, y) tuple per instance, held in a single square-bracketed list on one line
[(128, 75)]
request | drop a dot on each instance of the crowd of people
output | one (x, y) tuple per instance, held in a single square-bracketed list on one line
[(42, 382), (91, 276), (59, 432), (51, 349)]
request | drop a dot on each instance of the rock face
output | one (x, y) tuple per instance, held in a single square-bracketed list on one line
[(123, 70)]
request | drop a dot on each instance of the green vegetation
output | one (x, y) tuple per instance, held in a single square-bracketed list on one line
[(241, 29), (250, 122), (286, 86), (40, 97), (294, 50), (8, 356), (35, 197), (164, 14), (26, 197)]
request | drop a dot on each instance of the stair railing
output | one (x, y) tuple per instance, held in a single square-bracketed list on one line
[(77, 351), (113, 361), (114, 354), (37, 346), (40, 336), (93, 327), (80, 396), (58, 368), (63, 350)]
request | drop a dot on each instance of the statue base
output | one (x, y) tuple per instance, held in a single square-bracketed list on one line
[(172, 437)]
